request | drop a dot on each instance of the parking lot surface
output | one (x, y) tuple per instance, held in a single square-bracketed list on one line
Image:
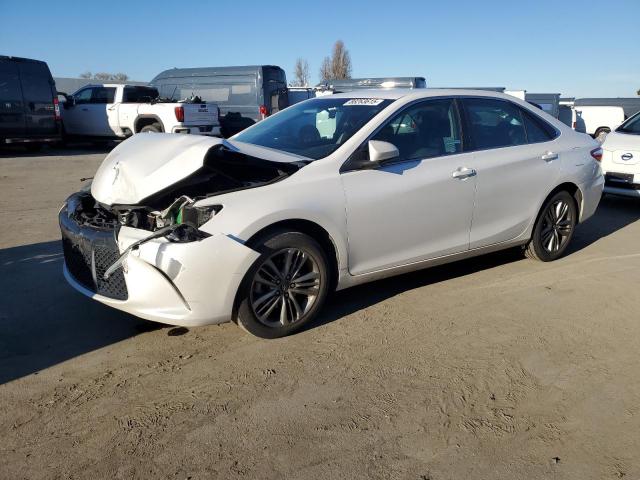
[(496, 367)]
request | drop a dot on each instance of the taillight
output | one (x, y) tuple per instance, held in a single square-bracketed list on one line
[(575, 124), (56, 108), (263, 111), (179, 114), (597, 154)]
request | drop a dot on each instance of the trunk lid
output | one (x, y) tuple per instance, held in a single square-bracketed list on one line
[(624, 148)]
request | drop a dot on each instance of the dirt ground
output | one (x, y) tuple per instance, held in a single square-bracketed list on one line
[(497, 367)]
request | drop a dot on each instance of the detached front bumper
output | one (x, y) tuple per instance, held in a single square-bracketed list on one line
[(187, 284)]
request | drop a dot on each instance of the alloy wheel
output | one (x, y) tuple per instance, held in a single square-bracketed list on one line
[(556, 226), (285, 287)]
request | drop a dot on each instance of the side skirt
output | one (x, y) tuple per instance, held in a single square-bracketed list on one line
[(347, 280)]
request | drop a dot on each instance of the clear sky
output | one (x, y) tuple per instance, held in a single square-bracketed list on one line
[(577, 48)]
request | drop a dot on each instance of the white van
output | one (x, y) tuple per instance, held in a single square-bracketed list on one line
[(596, 120)]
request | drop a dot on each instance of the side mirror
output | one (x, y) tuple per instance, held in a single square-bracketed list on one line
[(69, 101), (380, 151)]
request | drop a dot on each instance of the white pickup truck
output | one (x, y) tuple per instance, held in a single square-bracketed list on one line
[(107, 111)]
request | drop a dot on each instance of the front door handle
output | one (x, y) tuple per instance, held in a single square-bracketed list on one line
[(549, 156), (463, 172), (85, 109)]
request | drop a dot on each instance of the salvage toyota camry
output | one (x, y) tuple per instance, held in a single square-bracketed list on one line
[(326, 194)]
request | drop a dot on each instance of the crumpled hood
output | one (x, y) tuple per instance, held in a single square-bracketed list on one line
[(150, 162), (147, 163)]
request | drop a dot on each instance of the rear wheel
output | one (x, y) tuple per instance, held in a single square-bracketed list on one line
[(554, 228), (153, 128), (285, 288)]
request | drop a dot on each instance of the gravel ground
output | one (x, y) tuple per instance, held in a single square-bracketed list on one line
[(496, 367)]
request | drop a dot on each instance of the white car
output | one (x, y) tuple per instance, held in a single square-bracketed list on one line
[(106, 111), (621, 159), (258, 229)]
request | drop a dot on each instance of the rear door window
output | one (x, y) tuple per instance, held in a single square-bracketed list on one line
[(536, 131), (11, 107), (494, 123), (102, 95), (139, 94), (10, 89), (36, 82)]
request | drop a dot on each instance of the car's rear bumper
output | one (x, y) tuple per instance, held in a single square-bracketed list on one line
[(187, 284), (197, 130), (623, 181)]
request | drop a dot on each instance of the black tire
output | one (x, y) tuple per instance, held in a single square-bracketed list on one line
[(554, 228), (153, 128), (299, 308), (33, 147)]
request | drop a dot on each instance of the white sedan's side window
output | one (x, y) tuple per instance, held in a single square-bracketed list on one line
[(428, 129), (494, 123)]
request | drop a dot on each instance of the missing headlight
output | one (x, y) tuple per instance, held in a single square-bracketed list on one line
[(197, 216), (184, 233)]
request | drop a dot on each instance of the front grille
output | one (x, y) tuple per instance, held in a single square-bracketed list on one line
[(114, 286), (78, 263), (88, 253)]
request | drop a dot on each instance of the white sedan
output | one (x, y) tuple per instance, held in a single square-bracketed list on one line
[(329, 193), (621, 159)]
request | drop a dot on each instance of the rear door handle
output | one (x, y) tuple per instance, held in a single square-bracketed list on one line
[(549, 156), (463, 172)]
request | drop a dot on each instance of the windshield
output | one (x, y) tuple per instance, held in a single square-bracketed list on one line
[(631, 126), (315, 128)]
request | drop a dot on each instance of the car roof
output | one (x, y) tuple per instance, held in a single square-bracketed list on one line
[(416, 93)]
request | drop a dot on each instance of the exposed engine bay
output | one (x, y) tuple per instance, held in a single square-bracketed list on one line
[(223, 170)]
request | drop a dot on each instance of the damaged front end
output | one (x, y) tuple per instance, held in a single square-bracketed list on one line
[(95, 254)]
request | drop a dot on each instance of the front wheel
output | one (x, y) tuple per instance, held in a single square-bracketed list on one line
[(554, 228), (285, 288)]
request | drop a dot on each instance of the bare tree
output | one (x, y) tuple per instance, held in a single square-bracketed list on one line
[(106, 76), (102, 76), (325, 70), (638, 92), (338, 66), (301, 73), (340, 61), (120, 77)]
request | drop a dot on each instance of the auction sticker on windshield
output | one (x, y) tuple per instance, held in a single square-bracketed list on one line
[(364, 101)]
